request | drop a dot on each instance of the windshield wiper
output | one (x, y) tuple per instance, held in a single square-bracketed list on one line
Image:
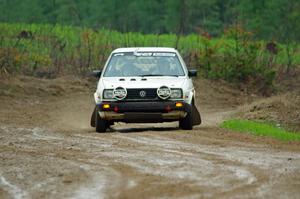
[(149, 75), (155, 75)]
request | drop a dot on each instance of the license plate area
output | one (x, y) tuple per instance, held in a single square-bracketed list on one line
[(137, 117)]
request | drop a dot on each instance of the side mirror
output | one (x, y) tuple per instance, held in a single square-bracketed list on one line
[(192, 73), (96, 73)]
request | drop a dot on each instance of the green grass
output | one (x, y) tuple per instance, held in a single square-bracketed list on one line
[(57, 49), (260, 129)]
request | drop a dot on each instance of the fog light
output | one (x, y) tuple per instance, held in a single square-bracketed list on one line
[(106, 106), (116, 109), (179, 104), (168, 108)]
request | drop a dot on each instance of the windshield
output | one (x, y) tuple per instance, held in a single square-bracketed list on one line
[(143, 64)]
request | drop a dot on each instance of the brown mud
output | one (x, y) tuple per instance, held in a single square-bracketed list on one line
[(48, 149)]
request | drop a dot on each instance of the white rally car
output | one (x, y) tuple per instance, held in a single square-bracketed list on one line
[(139, 85)]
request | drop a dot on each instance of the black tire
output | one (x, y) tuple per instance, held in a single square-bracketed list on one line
[(93, 121), (187, 122), (196, 116), (100, 124)]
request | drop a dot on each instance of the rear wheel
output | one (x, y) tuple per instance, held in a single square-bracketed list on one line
[(100, 124), (187, 122)]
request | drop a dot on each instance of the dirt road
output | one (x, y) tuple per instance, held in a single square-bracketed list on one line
[(48, 150)]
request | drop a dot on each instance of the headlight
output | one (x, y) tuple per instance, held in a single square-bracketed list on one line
[(176, 93), (108, 94)]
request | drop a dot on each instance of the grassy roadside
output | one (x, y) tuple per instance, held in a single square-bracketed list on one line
[(32, 47), (260, 129)]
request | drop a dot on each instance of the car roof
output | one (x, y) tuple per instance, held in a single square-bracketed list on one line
[(145, 49)]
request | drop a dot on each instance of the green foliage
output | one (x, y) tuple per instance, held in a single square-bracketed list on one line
[(237, 57), (9, 60), (260, 129), (269, 19)]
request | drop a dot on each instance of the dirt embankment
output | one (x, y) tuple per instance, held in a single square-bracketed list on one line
[(48, 149), (283, 110)]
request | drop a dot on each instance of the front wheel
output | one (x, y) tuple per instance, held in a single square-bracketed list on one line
[(187, 122), (100, 124)]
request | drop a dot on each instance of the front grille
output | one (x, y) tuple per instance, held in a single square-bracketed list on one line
[(135, 94)]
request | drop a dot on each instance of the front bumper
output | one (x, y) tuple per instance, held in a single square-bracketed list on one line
[(140, 112)]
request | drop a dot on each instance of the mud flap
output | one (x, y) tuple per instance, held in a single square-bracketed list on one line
[(196, 115), (93, 118)]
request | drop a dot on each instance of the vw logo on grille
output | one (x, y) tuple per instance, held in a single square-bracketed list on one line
[(142, 93)]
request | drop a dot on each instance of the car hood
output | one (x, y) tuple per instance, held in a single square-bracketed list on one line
[(145, 82)]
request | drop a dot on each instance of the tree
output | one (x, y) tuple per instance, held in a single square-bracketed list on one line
[(263, 17)]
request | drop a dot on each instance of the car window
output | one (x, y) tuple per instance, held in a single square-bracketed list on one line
[(144, 64)]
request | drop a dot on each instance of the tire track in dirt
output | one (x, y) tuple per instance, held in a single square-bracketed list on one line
[(49, 151), (50, 165), (13, 190), (226, 169), (115, 164)]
